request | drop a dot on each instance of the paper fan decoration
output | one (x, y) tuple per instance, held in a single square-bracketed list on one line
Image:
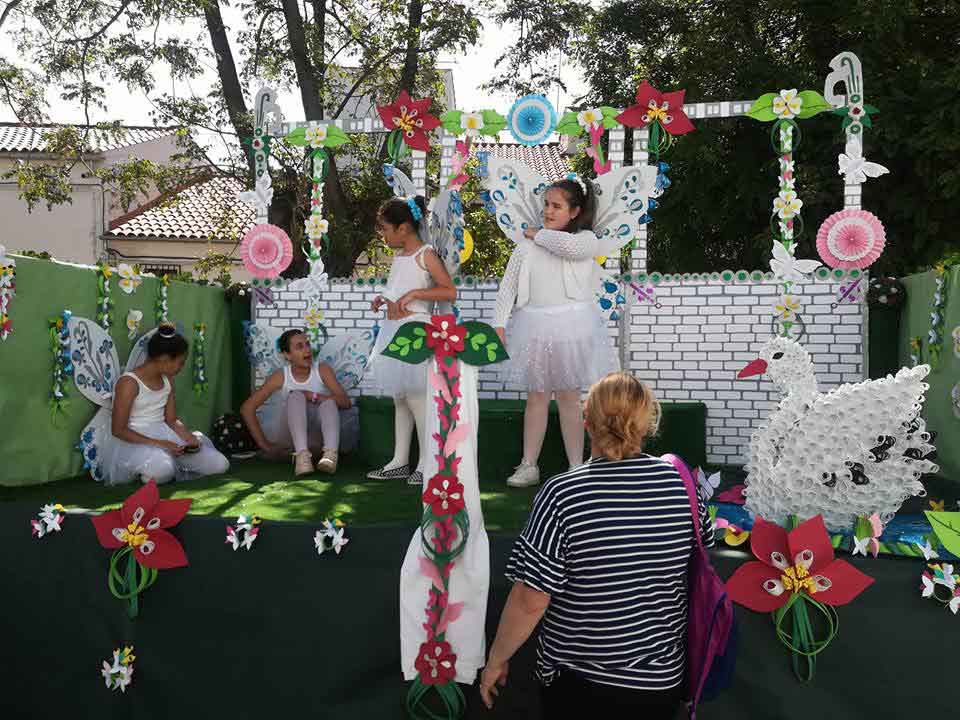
[(851, 239), (532, 120), (266, 251)]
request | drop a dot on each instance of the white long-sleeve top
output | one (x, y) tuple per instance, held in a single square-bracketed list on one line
[(556, 268)]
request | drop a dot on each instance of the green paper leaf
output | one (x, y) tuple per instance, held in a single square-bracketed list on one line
[(813, 104), (847, 122), (568, 125), (870, 109), (485, 351), (946, 525), (408, 345), (867, 122), (450, 121), (493, 122), (762, 108), (297, 137), (419, 331), (845, 110), (335, 137)]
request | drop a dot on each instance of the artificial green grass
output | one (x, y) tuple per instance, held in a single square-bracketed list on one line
[(255, 487)]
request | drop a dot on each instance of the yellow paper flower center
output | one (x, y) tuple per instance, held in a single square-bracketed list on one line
[(797, 578), (656, 113), (404, 121), (135, 535)]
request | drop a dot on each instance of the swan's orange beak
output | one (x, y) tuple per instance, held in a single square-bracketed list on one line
[(757, 367)]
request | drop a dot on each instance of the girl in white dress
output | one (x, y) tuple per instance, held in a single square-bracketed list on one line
[(311, 402), (148, 440), (417, 280), (557, 337)]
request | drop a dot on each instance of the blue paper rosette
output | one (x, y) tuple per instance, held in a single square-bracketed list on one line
[(532, 120)]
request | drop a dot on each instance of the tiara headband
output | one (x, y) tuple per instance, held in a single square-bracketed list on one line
[(579, 181), (414, 209)]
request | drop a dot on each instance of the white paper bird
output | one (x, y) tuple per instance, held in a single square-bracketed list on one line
[(853, 451)]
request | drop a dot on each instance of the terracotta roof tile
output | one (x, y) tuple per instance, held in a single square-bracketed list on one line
[(21, 138), (549, 159)]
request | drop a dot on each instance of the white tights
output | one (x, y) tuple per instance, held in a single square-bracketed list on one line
[(299, 413), (409, 412), (535, 425)]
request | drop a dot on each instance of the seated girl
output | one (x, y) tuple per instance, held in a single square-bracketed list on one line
[(148, 440), (311, 400)]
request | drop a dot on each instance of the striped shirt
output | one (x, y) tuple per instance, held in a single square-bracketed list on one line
[(610, 542)]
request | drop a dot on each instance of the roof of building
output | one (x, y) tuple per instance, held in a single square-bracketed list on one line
[(18, 138), (549, 159), (208, 210)]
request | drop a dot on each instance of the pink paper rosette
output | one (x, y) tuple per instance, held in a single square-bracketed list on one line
[(851, 239), (266, 251)]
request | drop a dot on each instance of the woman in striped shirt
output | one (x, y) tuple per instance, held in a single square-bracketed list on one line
[(603, 561)]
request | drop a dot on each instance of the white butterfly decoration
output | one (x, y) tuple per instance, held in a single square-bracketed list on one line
[(708, 484), (313, 285), (335, 532), (260, 197), (928, 552), (855, 168), (787, 267)]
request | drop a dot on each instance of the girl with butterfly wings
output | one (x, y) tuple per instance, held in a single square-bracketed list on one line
[(557, 338)]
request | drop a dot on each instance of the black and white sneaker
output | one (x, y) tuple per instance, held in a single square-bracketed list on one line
[(415, 479), (397, 473)]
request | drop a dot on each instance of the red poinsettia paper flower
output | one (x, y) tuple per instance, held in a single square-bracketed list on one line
[(800, 561), (436, 663), (653, 106), (410, 117), (139, 524), (445, 336), (444, 494)]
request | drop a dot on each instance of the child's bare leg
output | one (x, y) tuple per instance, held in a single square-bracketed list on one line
[(534, 425), (571, 425)]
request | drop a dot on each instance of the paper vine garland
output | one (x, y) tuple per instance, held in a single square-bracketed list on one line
[(445, 525), (316, 330), (134, 320), (199, 358), (937, 313), (594, 122), (8, 288), (104, 299), (162, 307), (62, 363)]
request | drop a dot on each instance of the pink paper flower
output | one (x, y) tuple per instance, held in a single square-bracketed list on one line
[(851, 239), (266, 251)]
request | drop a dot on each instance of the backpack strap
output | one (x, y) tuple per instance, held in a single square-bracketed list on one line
[(691, 487)]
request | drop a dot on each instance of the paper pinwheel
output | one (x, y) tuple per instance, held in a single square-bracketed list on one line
[(851, 239), (266, 251)]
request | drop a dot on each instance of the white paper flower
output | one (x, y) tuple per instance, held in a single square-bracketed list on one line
[(590, 119), (928, 552), (316, 135), (317, 227), (787, 204), (130, 279), (787, 105), (786, 166), (134, 318), (312, 318), (472, 123)]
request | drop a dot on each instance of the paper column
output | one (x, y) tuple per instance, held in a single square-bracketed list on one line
[(448, 145), (641, 156), (419, 172)]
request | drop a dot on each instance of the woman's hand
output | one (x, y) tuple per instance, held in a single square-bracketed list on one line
[(394, 312), (317, 398), (170, 447), (529, 233), (407, 298), (377, 303), (492, 679)]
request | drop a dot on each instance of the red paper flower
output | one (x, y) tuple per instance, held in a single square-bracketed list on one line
[(444, 494), (799, 561), (445, 336), (139, 524), (436, 663), (654, 106), (410, 117)]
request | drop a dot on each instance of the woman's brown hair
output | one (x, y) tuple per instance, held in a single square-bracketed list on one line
[(621, 414)]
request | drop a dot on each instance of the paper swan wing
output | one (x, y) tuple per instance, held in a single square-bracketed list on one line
[(96, 365), (260, 342), (514, 194), (399, 181), (623, 197), (348, 354)]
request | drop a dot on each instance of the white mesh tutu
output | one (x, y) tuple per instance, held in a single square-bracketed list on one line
[(559, 347), (393, 377)]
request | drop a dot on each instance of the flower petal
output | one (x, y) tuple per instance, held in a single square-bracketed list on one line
[(104, 525), (167, 553), (745, 586), (768, 538), (170, 512), (847, 583), (812, 535), (647, 92), (681, 123), (633, 116), (146, 498)]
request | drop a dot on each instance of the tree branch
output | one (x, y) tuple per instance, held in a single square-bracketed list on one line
[(90, 38), (11, 6)]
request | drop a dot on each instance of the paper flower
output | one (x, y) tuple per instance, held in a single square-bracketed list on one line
[(313, 318), (316, 227), (656, 107), (134, 318), (787, 104), (787, 308), (316, 135), (332, 531), (411, 118), (531, 120), (243, 533), (471, 123), (445, 336), (266, 251), (590, 119), (436, 663), (130, 278), (444, 494), (851, 239), (787, 205), (119, 674), (942, 584), (49, 520)]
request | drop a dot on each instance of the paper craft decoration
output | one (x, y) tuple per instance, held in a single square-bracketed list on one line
[(531, 120), (316, 330), (244, 533), (104, 301), (473, 124), (851, 239), (941, 584), (199, 358), (594, 122), (8, 288), (733, 535), (610, 298), (937, 314), (858, 449), (866, 535), (162, 305), (708, 483), (734, 495), (134, 319), (266, 251), (137, 534), (62, 363), (331, 537), (855, 169), (946, 527), (119, 674), (796, 574), (450, 497), (955, 400), (49, 520), (661, 113), (846, 70), (130, 278), (408, 122)]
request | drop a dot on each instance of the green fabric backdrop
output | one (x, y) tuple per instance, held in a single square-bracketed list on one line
[(915, 322), (35, 451)]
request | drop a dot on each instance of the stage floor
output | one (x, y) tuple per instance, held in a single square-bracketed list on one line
[(279, 631)]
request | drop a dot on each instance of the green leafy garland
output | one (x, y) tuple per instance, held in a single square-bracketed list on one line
[(104, 299), (62, 364), (163, 287), (199, 358)]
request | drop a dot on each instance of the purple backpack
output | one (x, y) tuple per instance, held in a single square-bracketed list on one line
[(711, 625)]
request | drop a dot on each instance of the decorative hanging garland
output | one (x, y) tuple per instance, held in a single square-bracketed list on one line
[(199, 358), (8, 288), (937, 313), (316, 331), (163, 287), (104, 299), (62, 363)]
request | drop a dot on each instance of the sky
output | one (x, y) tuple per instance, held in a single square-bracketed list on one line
[(470, 72)]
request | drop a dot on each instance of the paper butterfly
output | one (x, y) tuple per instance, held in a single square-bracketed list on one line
[(708, 484), (855, 169), (787, 267)]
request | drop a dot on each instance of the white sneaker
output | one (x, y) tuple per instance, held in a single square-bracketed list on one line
[(525, 476)]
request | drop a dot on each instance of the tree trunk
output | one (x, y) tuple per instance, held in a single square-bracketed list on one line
[(411, 58), (320, 20), (306, 75)]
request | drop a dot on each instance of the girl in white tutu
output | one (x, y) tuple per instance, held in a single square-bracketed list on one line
[(148, 440), (557, 337), (418, 279), (308, 412)]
